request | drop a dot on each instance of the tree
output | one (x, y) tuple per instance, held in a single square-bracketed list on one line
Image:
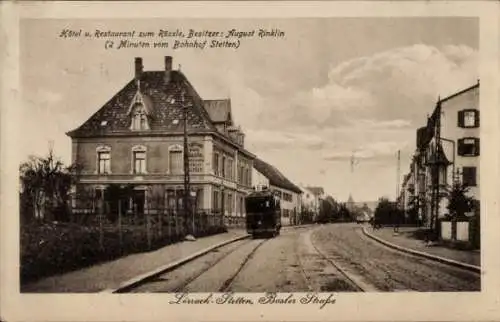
[(344, 213), (45, 184), (412, 210), (459, 203), (386, 212), (326, 210)]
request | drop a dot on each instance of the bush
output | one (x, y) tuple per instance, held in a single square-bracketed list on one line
[(387, 213), (54, 248)]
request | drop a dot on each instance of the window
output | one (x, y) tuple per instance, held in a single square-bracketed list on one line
[(215, 200), (468, 147), (103, 160), (469, 176), (175, 161), (215, 165), (223, 166), (229, 204), (468, 118), (230, 169), (139, 161), (139, 120)]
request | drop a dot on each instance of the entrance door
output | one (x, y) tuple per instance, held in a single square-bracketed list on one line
[(139, 197)]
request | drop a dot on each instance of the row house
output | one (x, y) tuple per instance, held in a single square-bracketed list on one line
[(136, 139), (448, 150), (269, 177)]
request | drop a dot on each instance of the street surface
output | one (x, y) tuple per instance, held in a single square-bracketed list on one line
[(329, 258)]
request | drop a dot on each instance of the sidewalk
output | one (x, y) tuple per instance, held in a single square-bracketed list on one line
[(110, 274), (405, 239)]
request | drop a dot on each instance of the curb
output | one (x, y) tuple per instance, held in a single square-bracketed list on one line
[(125, 286), (473, 268)]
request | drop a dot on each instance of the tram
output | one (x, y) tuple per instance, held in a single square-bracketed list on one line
[(263, 214)]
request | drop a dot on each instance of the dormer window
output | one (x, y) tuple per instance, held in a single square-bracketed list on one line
[(139, 119), (140, 109)]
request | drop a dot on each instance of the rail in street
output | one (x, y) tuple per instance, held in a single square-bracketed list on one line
[(326, 258), (257, 265), (388, 269)]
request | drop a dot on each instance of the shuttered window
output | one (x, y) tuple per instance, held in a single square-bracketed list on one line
[(468, 118), (469, 176), (468, 147)]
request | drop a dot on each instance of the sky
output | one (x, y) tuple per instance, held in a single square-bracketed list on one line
[(330, 88)]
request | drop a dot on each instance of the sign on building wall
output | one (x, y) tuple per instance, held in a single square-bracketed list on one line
[(195, 153)]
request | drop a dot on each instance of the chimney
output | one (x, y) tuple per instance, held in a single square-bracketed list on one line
[(168, 68), (138, 68)]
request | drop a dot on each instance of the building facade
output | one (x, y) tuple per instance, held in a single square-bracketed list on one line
[(447, 151), (267, 176), (137, 138), (310, 204)]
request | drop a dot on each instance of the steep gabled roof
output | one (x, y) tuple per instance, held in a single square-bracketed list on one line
[(165, 110), (219, 110), (460, 92), (276, 178)]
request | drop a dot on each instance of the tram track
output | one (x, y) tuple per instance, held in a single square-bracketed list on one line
[(379, 268), (181, 287), (332, 276), (168, 281), (227, 283)]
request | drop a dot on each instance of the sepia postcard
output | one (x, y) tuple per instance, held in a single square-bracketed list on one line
[(250, 161)]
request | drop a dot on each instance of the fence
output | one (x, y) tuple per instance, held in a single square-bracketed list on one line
[(148, 228), (466, 232)]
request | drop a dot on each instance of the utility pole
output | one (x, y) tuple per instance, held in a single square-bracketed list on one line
[(398, 174), (185, 107)]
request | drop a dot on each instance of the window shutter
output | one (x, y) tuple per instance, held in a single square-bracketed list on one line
[(469, 176), (476, 143), (476, 118), (460, 147), (460, 122)]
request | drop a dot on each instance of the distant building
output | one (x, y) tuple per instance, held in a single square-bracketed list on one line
[(136, 138), (350, 204), (267, 176), (310, 203)]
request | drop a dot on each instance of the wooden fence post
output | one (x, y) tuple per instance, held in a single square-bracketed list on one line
[(148, 228), (120, 232), (101, 225), (160, 221), (169, 222)]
